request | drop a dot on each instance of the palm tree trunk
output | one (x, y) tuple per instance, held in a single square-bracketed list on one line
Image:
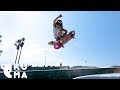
[(19, 55), (16, 56)]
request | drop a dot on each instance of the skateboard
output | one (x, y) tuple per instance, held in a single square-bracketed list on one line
[(65, 39)]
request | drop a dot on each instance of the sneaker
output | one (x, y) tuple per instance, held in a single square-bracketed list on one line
[(50, 43)]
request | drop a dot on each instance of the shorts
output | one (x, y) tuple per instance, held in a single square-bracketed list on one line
[(57, 39)]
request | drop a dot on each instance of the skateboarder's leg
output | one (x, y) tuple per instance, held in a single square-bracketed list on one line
[(60, 35)]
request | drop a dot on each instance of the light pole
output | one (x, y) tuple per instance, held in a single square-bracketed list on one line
[(86, 62), (45, 57)]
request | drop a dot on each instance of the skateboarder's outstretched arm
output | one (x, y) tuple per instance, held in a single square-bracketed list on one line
[(54, 21)]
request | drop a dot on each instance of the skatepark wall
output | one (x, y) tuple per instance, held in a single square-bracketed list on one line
[(64, 72)]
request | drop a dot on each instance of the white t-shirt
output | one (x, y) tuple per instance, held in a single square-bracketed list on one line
[(55, 31)]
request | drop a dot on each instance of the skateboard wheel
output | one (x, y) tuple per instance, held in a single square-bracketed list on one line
[(56, 46)]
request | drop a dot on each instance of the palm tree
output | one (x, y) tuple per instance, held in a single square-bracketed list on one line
[(17, 47), (0, 42), (1, 52), (19, 43)]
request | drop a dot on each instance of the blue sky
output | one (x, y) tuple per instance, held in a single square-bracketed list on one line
[(96, 41)]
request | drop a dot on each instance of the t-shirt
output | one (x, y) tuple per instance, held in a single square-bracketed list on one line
[(55, 31)]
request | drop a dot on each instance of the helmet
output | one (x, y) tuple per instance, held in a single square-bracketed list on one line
[(59, 22)]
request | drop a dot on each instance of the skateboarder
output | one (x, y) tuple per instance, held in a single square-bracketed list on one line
[(58, 30)]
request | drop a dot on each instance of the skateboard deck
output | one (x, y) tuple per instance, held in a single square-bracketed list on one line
[(65, 39)]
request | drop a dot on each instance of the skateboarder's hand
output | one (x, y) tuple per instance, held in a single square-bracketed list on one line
[(60, 16)]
